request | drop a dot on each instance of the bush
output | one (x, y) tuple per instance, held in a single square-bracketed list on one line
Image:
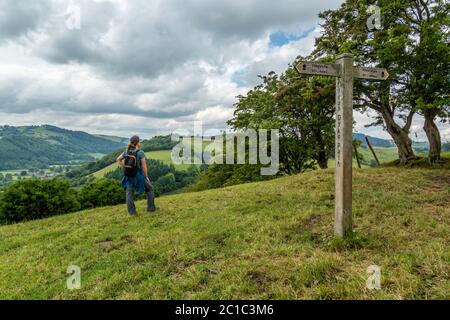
[(104, 192), (35, 199), (166, 183), (167, 178), (224, 175)]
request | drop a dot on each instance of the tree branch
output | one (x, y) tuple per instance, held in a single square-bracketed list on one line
[(408, 123)]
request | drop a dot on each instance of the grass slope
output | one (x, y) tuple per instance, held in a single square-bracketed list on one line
[(262, 240), (101, 173)]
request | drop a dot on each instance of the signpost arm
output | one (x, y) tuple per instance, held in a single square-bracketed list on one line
[(344, 146)]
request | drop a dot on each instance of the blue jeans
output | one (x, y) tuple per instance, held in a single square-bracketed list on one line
[(150, 199)]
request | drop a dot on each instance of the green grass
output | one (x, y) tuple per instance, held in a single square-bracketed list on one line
[(165, 156), (384, 155), (421, 162), (266, 240), (101, 173)]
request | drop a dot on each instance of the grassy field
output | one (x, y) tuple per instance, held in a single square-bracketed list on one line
[(384, 155), (258, 241), (165, 156), (101, 173)]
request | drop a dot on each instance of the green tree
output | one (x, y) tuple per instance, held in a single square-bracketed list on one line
[(166, 183), (104, 192), (306, 109), (412, 44), (429, 67), (301, 108), (35, 199)]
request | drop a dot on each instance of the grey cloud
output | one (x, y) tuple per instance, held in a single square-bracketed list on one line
[(173, 95), (150, 38), (250, 19), (161, 60), (60, 44), (17, 18)]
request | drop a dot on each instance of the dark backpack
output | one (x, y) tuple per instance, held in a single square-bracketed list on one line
[(130, 168)]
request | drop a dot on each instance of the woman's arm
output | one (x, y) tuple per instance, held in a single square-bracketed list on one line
[(120, 160), (145, 168)]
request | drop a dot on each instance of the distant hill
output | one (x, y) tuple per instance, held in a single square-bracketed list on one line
[(376, 142), (121, 140), (420, 146), (38, 146)]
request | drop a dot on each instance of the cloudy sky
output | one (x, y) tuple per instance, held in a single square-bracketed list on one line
[(148, 67)]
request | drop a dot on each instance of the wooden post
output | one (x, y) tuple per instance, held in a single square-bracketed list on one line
[(373, 151), (355, 147), (345, 73), (344, 145)]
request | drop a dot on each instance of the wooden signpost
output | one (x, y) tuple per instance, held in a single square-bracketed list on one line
[(345, 73)]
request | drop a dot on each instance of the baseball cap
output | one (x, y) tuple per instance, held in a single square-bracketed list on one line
[(135, 139)]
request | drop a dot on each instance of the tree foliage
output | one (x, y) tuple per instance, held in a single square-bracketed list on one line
[(301, 108), (413, 44), (35, 199), (101, 193)]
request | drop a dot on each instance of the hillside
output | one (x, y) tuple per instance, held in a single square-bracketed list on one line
[(120, 140), (376, 142), (37, 146), (262, 240)]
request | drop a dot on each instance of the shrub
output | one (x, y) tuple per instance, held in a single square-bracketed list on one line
[(104, 192), (167, 178), (35, 199), (166, 183)]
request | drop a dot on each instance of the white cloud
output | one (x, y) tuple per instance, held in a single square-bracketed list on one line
[(147, 66)]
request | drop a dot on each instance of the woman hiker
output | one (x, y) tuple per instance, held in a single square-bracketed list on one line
[(136, 176)]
